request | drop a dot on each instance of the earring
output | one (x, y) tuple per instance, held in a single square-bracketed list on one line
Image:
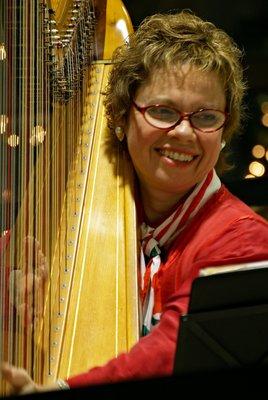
[(119, 133), (223, 143)]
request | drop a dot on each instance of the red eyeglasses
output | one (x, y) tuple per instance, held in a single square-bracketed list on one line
[(165, 117)]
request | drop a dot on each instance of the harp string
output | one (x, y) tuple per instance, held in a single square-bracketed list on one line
[(3, 161), (29, 175)]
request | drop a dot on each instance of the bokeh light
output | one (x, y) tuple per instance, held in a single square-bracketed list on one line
[(256, 168), (258, 151)]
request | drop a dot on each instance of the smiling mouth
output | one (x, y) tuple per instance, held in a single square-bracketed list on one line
[(176, 156)]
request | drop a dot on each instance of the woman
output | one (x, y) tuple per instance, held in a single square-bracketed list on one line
[(174, 100)]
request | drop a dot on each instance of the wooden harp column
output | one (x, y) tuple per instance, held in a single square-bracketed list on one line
[(79, 183)]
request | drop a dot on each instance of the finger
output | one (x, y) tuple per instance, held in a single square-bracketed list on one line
[(26, 284), (6, 371), (42, 265), (29, 388), (31, 249), (16, 377), (21, 382)]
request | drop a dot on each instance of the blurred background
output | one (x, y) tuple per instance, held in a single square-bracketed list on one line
[(247, 22)]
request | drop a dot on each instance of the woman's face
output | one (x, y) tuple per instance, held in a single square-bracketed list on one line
[(169, 163)]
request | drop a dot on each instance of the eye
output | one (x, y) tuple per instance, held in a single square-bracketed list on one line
[(162, 113), (207, 118)]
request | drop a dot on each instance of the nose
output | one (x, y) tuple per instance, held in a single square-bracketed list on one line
[(182, 129)]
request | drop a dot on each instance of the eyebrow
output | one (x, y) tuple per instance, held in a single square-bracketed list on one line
[(170, 103), (162, 100)]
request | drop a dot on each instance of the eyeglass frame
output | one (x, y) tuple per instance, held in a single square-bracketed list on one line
[(183, 116)]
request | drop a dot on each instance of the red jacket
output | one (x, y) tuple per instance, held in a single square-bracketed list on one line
[(224, 231)]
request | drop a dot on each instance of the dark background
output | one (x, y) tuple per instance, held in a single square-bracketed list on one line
[(247, 22)]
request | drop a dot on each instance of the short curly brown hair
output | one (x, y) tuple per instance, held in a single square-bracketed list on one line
[(164, 40)]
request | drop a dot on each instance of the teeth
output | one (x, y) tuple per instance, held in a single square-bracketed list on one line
[(176, 156)]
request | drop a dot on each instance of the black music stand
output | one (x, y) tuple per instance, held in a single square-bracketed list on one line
[(226, 325)]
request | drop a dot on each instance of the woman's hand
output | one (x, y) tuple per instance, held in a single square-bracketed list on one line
[(21, 382), (27, 283)]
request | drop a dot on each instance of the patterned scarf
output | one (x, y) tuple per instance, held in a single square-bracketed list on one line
[(153, 239)]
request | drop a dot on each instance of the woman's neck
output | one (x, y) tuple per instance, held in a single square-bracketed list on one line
[(158, 206)]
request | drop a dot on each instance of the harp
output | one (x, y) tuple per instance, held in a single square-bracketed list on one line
[(68, 249)]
